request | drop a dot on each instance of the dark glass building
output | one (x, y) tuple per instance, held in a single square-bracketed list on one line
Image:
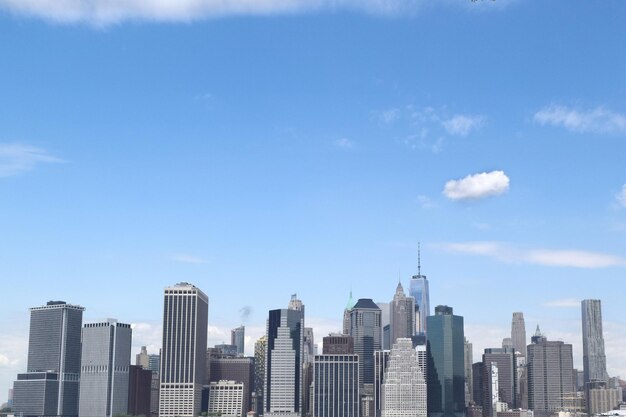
[(240, 370), (446, 364), (365, 328)]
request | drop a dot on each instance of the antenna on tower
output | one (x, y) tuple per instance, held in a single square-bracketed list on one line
[(419, 266)]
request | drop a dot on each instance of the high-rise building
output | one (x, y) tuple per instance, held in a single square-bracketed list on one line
[(226, 399), (478, 383), (154, 362), (469, 359), (507, 343), (238, 369), (237, 338), (259, 374), (310, 350), (365, 321), (346, 314), (504, 359), (336, 385), (338, 344), (51, 384), (594, 359), (446, 364), (183, 355), (518, 333), (283, 361), (419, 291), (139, 391), (401, 315), (104, 371), (381, 362), (404, 385), (550, 374), (142, 359)]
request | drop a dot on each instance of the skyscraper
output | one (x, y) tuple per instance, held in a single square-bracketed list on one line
[(469, 360), (284, 357), (365, 328), (104, 372), (401, 315), (419, 291), (238, 369), (50, 386), (504, 361), (550, 374), (446, 364), (336, 385), (404, 385), (260, 348), (518, 333), (594, 359), (183, 355), (237, 338)]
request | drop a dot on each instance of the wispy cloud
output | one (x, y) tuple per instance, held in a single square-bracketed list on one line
[(563, 303), (105, 12), (389, 115), (598, 120), (621, 196), (548, 257), (462, 125), (189, 259), (344, 143), (16, 159), (477, 186), (425, 202)]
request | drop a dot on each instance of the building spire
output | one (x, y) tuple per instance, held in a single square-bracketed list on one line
[(419, 265)]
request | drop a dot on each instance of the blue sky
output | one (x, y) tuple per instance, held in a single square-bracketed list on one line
[(263, 148)]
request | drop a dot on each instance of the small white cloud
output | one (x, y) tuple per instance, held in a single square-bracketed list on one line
[(621, 196), (477, 186), (344, 143), (189, 259), (598, 120), (389, 116), (425, 201), (462, 125), (564, 303), (545, 257), (16, 159)]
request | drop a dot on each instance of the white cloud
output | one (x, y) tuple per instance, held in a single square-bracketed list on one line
[(344, 143), (546, 257), (598, 120), (477, 186), (621, 196), (563, 303), (105, 12), (390, 115), (16, 159), (189, 259), (462, 125), (425, 201)]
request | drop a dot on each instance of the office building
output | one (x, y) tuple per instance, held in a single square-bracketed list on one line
[(142, 359), (139, 391), (238, 369), (104, 371), (404, 385), (469, 359), (237, 338), (283, 361), (336, 385), (346, 314), (401, 315), (446, 377), (381, 362), (51, 384), (518, 333), (504, 359), (226, 399), (259, 374), (365, 328), (183, 355), (418, 289), (338, 344), (594, 359), (550, 374)]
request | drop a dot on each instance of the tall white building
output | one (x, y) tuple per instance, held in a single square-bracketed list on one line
[(183, 355), (404, 385), (104, 370), (225, 399)]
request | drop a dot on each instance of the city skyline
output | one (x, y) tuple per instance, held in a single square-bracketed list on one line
[(259, 154)]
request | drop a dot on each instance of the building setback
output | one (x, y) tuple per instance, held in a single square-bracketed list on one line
[(104, 372), (183, 355)]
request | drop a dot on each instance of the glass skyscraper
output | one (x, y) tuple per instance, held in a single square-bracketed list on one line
[(446, 364), (418, 289)]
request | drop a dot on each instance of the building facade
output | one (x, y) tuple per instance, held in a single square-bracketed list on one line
[(594, 358), (183, 355), (404, 386), (104, 371), (336, 385), (401, 316), (238, 338), (446, 364), (51, 384), (518, 333), (418, 289), (239, 370), (365, 328), (226, 399)]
